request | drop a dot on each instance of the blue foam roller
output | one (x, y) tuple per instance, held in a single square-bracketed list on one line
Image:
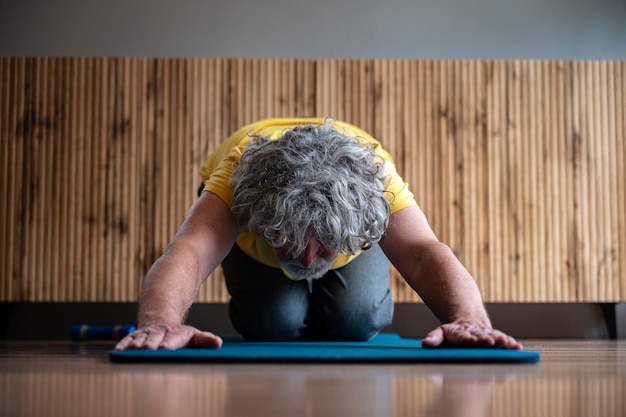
[(81, 332)]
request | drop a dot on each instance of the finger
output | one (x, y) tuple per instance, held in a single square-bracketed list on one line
[(486, 337), (124, 343), (148, 338), (178, 338), (206, 340), (434, 338), (459, 335), (154, 337), (486, 340), (139, 338), (513, 344), (501, 339), (496, 338)]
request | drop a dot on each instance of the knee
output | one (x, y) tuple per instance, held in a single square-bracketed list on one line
[(359, 323)]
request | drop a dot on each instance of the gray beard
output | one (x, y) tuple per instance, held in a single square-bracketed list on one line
[(317, 270)]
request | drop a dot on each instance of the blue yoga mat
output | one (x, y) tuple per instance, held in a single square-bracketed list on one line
[(384, 348)]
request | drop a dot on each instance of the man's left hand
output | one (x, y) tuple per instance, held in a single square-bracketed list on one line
[(463, 333)]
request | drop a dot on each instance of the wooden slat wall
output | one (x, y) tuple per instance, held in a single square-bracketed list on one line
[(519, 165)]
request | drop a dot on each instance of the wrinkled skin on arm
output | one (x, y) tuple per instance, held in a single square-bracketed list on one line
[(433, 271), (170, 287)]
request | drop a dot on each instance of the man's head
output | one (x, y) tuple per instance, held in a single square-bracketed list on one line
[(313, 184)]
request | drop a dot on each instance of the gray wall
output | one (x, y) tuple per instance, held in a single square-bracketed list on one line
[(479, 29)]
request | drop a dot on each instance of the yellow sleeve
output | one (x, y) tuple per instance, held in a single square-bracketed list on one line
[(399, 195), (217, 181)]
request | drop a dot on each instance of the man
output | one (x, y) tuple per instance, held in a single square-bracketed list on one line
[(304, 215)]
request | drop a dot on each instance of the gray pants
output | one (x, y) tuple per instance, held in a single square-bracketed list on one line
[(350, 303)]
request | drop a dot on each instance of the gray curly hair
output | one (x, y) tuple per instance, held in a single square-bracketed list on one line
[(312, 183)]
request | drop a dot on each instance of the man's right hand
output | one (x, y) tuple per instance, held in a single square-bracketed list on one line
[(166, 336)]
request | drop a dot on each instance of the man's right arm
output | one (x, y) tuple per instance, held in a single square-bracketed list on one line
[(171, 285)]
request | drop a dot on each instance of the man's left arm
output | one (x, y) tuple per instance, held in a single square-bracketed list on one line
[(444, 284)]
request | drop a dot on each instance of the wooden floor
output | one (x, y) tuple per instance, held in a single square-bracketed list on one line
[(574, 378)]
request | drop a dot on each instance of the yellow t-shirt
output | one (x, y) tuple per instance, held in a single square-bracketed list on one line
[(220, 164)]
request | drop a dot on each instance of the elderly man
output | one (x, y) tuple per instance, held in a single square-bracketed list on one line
[(305, 216)]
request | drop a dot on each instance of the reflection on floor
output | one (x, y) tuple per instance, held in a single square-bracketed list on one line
[(574, 378)]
